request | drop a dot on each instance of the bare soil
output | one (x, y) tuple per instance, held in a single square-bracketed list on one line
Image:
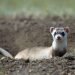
[(17, 33)]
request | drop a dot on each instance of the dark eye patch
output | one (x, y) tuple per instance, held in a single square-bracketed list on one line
[(55, 33), (62, 33)]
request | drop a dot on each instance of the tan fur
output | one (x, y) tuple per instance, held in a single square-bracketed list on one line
[(36, 53)]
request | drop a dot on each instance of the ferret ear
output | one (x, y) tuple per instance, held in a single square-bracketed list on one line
[(67, 29), (51, 29)]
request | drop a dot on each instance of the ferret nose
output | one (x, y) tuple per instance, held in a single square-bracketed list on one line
[(58, 38)]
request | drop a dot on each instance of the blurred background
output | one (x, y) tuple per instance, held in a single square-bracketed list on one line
[(37, 7)]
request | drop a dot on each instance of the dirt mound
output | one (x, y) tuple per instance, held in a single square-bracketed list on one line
[(54, 66)]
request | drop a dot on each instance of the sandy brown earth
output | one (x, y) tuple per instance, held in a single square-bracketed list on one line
[(17, 33)]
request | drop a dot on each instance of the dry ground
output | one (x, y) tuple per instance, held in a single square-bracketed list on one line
[(17, 33)]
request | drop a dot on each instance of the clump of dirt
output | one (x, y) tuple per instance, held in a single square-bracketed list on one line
[(54, 66), (20, 32)]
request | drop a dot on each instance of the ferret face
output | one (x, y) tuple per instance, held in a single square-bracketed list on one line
[(59, 33)]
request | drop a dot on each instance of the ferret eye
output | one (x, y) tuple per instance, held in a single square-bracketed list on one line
[(62, 33)]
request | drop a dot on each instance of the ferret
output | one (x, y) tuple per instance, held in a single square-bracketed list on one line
[(58, 47)]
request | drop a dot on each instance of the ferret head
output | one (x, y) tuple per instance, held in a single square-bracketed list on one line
[(59, 33)]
